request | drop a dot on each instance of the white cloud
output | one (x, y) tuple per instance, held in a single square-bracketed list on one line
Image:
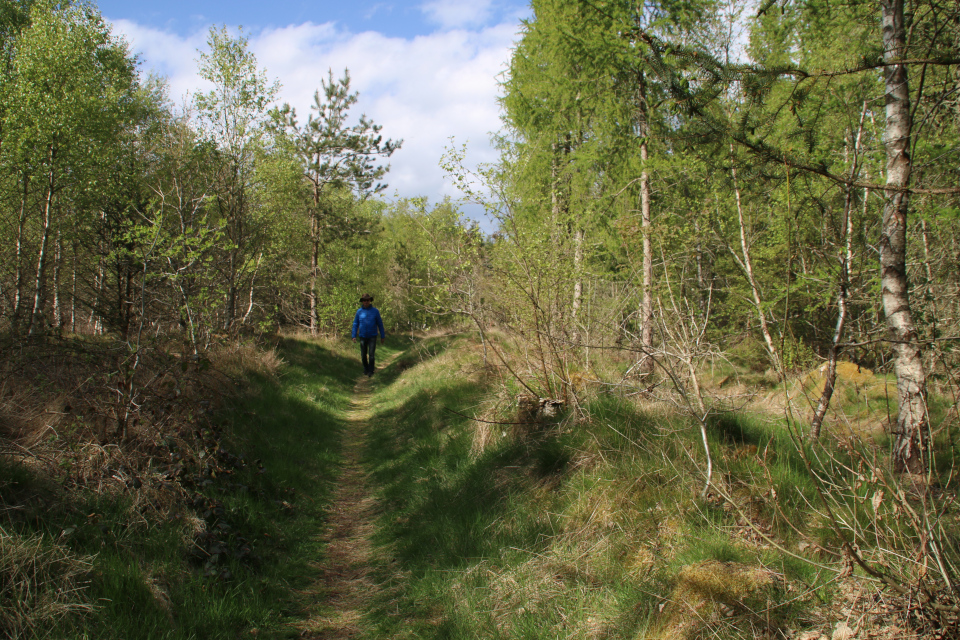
[(376, 9), (166, 54), (424, 90)]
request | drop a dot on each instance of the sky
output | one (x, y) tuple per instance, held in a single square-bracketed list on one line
[(428, 71)]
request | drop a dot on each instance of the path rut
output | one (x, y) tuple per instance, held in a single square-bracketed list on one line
[(345, 586)]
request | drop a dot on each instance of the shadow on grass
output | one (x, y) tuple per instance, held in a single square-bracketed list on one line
[(312, 362), (439, 500), (405, 352), (231, 565), (444, 506)]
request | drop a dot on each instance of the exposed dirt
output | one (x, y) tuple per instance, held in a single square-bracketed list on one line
[(345, 587)]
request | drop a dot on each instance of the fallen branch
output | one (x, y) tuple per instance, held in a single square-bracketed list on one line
[(548, 424)]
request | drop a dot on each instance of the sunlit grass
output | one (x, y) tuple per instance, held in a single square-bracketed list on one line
[(571, 530)]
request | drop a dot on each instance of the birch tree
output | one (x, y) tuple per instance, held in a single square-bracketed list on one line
[(911, 433), (68, 94), (234, 115)]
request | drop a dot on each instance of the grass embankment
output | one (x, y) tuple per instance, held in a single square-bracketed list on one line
[(237, 536), (546, 531), (595, 528)]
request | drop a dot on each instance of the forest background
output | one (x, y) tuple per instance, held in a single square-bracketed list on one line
[(670, 197)]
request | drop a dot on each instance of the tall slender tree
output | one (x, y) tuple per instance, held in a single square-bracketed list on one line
[(67, 94), (234, 115), (911, 433)]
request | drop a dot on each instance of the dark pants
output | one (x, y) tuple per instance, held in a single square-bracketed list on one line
[(368, 351)]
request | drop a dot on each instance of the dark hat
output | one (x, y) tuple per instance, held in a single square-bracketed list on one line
[(366, 296)]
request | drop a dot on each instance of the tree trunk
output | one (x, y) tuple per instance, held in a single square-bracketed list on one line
[(704, 280), (554, 192), (96, 322), (578, 237), (235, 210), (57, 261), (911, 432), (18, 293), (846, 259), (315, 250), (747, 265), (38, 295), (73, 292), (314, 269), (253, 281), (646, 303), (126, 304)]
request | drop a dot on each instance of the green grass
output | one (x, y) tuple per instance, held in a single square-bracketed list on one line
[(578, 529), (564, 531)]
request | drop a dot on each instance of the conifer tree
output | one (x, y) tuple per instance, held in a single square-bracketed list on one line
[(787, 86), (334, 154)]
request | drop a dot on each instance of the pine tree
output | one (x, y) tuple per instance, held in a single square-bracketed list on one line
[(334, 155)]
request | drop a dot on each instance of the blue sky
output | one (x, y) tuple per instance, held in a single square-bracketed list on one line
[(391, 18), (427, 71)]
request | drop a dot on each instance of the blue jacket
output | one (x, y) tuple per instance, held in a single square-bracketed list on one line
[(366, 323)]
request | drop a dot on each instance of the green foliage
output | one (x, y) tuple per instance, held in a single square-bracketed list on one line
[(121, 214), (331, 151), (170, 232), (338, 162), (433, 262), (233, 112)]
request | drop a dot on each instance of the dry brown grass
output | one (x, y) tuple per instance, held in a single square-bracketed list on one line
[(64, 394), (61, 402), (858, 406), (711, 591), (238, 359), (40, 583)]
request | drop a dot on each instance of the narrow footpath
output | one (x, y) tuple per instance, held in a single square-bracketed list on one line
[(345, 588)]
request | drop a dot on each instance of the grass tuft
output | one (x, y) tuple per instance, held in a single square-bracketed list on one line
[(41, 582)]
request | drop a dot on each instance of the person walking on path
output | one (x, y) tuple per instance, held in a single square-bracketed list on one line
[(365, 326)]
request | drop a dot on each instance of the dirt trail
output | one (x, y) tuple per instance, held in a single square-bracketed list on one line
[(345, 588)]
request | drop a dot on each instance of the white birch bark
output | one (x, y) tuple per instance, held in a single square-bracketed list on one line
[(911, 431), (253, 280), (846, 259), (18, 294), (42, 256), (747, 265), (646, 308), (578, 238), (73, 292), (57, 261)]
